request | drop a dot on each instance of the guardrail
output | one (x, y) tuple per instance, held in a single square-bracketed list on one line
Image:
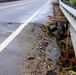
[(70, 14)]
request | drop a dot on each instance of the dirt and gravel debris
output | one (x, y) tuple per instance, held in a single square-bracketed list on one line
[(39, 61), (42, 60)]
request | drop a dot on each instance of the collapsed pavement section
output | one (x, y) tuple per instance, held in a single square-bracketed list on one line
[(43, 60), (43, 56)]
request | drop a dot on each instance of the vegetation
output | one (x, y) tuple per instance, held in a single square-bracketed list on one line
[(72, 1)]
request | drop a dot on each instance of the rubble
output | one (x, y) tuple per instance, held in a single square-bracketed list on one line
[(67, 60), (46, 57), (39, 61)]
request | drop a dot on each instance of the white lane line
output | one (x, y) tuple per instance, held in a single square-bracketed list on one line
[(14, 34)]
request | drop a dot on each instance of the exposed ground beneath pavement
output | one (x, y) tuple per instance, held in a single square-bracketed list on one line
[(43, 54)]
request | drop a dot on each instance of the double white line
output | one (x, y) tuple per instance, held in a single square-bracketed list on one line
[(15, 33)]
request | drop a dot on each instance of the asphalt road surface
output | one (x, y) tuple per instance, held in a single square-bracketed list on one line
[(19, 11), (12, 15)]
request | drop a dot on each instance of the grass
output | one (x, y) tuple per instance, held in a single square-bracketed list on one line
[(72, 1)]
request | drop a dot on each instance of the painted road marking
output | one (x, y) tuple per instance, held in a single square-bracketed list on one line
[(19, 29), (3, 7)]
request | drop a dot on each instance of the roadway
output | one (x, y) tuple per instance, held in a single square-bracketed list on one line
[(13, 15), (19, 11)]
